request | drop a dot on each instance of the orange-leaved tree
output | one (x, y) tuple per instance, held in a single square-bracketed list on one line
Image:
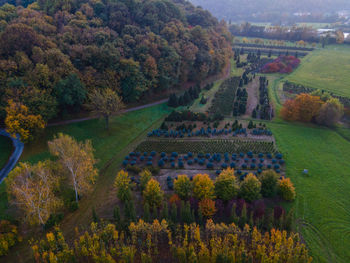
[(304, 107), (20, 121)]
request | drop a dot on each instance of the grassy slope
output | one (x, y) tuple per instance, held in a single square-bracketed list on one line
[(5, 150), (326, 69), (322, 205)]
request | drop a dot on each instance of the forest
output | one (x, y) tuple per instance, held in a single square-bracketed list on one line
[(53, 55)]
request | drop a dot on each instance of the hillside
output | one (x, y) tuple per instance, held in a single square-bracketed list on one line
[(53, 54)]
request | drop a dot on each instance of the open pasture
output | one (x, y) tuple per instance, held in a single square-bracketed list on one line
[(326, 69)]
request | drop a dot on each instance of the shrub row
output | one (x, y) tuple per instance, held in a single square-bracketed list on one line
[(210, 146)]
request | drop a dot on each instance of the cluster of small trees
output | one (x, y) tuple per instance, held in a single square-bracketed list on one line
[(186, 98), (283, 64), (179, 116), (35, 188), (316, 107), (263, 110), (157, 242), (240, 104), (224, 97), (227, 187)]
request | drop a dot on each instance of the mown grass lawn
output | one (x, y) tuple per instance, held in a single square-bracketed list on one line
[(5, 150), (326, 69)]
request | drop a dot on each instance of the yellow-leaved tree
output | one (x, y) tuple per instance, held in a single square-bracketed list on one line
[(153, 194), (77, 158), (203, 187), (31, 188), (19, 121)]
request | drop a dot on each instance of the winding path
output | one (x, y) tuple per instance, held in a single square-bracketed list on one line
[(16, 154), (96, 116)]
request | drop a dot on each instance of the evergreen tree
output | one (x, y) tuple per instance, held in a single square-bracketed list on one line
[(233, 217), (154, 212), (187, 98), (173, 213), (241, 82), (200, 217), (270, 53), (173, 101), (254, 114), (146, 213), (181, 101), (130, 213), (165, 212), (116, 214)]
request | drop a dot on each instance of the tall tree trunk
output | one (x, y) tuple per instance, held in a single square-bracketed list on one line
[(76, 192)]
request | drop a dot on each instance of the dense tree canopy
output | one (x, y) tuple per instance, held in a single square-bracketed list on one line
[(59, 51)]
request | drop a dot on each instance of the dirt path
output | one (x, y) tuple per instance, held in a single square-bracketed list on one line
[(253, 96), (225, 74)]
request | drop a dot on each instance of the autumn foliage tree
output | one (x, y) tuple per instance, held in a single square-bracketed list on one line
[(203, 187), (183, 187), (250, 188), (226, 185), (105, 103), (123, 185), (31, 189), (330, 112), (207, 207), (286, 189), (77, 159), (20, 121), (303, 108), (153, 194)]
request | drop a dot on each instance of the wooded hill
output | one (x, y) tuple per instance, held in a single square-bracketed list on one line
[(53, 53)]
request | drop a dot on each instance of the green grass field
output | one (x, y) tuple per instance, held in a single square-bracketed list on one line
[(105, 142), (326, 69), (6, 149), (322, 206)]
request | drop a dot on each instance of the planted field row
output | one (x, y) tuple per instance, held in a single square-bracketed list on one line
[(273, 47), (273, 52), (207, 146), (223, 101)]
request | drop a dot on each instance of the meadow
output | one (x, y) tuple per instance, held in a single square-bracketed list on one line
[(326, 69), (322, 206)]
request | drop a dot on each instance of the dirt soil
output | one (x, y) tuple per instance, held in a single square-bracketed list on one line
[(253, 96)]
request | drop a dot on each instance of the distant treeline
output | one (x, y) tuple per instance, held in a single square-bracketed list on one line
[(249, 45)]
